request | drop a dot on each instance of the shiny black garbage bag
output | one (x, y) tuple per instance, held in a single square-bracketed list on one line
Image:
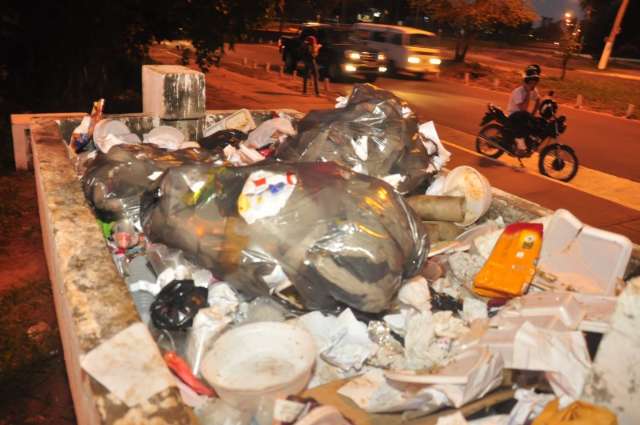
[(376, 134), (316, 234), (113, 182)]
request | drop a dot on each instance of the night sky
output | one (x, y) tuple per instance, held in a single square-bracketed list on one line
[(556, 8)]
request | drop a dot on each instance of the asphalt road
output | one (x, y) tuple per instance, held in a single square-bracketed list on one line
[(602, 142)]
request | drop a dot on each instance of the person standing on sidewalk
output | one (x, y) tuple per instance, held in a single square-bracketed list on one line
[(310, 49)]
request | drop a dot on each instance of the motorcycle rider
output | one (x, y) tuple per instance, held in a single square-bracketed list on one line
[(518, 108)]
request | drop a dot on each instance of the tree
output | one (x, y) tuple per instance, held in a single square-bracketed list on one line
[(60, 55), (470, 17), (569, 43)]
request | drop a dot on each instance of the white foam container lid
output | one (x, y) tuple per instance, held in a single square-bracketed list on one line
[(588, 259)]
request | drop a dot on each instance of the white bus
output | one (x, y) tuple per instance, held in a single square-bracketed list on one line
[(408, 50)]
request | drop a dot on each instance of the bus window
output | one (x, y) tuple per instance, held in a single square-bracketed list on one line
[(396, 39), (378, 36), (360, 35), (422, 40)]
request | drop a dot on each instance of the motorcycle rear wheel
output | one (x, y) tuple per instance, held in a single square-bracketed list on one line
[(558, 162), (491, 132)]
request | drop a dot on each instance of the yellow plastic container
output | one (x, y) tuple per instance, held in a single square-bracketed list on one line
[(577, 413), (512, 263)]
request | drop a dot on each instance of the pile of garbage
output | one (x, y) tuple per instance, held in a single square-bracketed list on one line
[(268, 260)]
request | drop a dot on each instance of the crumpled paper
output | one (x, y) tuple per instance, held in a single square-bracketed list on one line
[(342, 341), (428, 130), (530, 404), (415, 293), (373, 393), (129, 365), (451, 287), (270, 131), (428, 341), (563, 355), (243, 155), (483, 370), (222, 296), (448, 326), (465, 266), (474, 309)]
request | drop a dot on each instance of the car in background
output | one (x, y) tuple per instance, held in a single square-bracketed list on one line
[(408, 50), (340, 55)]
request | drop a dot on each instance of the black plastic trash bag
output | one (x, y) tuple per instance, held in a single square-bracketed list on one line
[(177, 304), (316, 234), (114, 182), (376, 133)]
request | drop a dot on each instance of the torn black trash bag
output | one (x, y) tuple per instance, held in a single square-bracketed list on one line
[(376, 133), (319, 230), (113, 182)]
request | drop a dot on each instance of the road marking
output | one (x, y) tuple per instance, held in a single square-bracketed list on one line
[(593, 182)]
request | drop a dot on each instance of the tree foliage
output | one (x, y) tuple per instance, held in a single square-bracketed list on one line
[(471, 17), (62, 54)]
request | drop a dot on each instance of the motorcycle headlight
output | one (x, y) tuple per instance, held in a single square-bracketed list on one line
[(381, 57), (350, 54), (413, 59)]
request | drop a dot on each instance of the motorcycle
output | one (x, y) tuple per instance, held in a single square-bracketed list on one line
[(498, 136)]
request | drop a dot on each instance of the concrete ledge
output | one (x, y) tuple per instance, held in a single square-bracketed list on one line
[(20, 134), (92, 301)]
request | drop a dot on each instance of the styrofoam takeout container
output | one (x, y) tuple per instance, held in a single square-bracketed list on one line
[(581, 257), (259, 360)]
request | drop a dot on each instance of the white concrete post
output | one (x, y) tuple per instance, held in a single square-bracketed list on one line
[(579, 101), (630, 110), (466, 78)]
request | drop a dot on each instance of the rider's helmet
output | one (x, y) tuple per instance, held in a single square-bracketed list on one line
[(532, 73)]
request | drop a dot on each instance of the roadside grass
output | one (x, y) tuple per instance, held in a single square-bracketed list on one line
[(600, 93)]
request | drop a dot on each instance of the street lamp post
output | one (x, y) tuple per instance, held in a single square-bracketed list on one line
[(608, 46)]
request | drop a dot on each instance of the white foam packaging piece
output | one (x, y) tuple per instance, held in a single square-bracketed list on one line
[(582, 257), (561, 305)]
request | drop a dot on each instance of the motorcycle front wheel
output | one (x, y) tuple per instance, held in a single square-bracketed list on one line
[(558, 162), (492, 132)]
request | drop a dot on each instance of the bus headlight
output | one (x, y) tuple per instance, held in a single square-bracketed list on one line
[(352, 55)]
